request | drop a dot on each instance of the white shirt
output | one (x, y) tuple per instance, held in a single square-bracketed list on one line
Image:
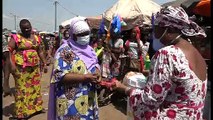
[(133, 49)]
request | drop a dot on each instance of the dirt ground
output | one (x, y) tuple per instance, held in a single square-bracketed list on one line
[(112, 111)]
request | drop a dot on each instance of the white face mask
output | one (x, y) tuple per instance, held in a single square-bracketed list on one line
[(83, 40), (156, 41)]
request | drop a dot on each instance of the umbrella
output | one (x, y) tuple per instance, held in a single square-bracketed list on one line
[(201, 7), (50, 34), (189, 5)]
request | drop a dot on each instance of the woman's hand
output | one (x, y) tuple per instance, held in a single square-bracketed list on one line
[(98, 73), (99, 78), (119, 86), (94, 78)]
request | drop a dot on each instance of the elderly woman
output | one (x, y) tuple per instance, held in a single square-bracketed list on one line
[(176, 85), (75, 74)]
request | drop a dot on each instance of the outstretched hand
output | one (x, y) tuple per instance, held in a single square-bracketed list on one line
[(119, 86), (109, 84)]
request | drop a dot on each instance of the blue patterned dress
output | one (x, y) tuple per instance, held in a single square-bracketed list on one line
[(73, 101)]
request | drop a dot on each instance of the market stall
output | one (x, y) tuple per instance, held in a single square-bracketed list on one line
[(94, 22), (133, 12)]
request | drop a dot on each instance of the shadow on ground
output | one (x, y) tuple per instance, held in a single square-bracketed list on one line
[(12, 91), (9, 110), (119, 101)]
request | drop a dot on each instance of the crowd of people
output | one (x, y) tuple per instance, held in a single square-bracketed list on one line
[(88, 68)]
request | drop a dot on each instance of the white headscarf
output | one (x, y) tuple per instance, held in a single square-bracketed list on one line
[(80, 27)]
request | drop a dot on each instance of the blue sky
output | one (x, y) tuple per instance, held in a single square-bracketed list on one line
[(41, 13)]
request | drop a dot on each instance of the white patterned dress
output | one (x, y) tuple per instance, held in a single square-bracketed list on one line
[(173, 91)]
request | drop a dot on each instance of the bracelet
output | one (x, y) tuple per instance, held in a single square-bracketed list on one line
[(127, 89)]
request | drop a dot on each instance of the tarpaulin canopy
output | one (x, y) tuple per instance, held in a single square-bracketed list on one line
[(94, 22), (66, 22), (133, 12)]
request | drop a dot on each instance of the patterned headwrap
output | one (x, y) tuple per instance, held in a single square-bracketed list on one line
[(176, 17)]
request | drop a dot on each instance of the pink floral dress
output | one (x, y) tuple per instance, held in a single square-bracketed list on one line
[(173, 91)]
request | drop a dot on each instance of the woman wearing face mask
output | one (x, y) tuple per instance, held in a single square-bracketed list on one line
[(176, 86), (76, 72), (66, 36), (26, 71)]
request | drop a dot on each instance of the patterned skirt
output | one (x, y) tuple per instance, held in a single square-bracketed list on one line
[(28, 98)]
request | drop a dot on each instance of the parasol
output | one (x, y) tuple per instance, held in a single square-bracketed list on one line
[(203, 8), (200, 7)]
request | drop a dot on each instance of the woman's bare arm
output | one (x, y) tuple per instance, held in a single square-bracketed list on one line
[(79, 78)]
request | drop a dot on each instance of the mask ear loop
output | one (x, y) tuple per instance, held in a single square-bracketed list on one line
[(163, 34), (175, 39)]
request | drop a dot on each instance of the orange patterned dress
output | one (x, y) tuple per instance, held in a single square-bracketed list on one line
[(28, 98)]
